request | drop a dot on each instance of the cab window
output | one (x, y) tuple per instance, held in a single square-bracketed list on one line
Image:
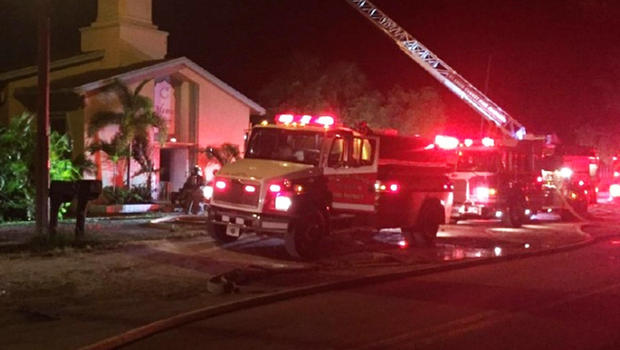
[(361, 152), (336, 153)]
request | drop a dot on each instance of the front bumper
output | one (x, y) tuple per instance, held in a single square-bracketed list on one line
[(249, 222), (471, 210)]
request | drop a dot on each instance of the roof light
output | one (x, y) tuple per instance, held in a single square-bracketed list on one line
[(468, 142), (250, 188), (446, 142), (325, 120), (275, 188), (305, 119), (285, 118), (566, 173), (488, 142)]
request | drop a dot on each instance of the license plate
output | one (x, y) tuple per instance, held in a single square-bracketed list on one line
[(233, 230)]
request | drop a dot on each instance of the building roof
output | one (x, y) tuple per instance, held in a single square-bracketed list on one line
[(96, 79), (24, 72)]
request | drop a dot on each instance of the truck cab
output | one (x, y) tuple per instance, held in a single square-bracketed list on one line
[(304, 177)]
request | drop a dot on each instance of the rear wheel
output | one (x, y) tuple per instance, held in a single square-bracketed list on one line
[(304, 235), (431, 216), (218, 232), (515, 213)]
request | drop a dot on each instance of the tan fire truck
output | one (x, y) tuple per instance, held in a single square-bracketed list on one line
[(305, 177)]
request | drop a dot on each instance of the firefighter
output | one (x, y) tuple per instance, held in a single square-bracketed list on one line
[(191, 192)]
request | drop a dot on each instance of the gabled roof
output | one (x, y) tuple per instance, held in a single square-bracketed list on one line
[(96, 79)]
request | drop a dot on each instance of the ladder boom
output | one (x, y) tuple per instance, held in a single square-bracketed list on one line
[(441, 71)]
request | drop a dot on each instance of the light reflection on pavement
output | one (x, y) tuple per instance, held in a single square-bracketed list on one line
[(472, 239)]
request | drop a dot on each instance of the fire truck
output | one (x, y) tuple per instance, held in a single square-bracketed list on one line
[(494, 179), (509, 180), (305, 177), (512, 174)]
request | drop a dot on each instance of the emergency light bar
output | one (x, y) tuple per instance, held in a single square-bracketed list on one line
[(324, 120), (450, 142)]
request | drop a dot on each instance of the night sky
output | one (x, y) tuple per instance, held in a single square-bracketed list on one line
[(553, 65)]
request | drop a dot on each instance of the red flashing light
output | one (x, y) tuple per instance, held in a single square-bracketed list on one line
[(446, 142), (468, 142), (250, 188), (275, 188), (325, 120), (305, 119), (394, 188), (488, 142), (539, 179), (285, 118), (403, 244), (220, 184)]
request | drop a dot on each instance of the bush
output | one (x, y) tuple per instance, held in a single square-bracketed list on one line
[(121, 195), (17, 185)]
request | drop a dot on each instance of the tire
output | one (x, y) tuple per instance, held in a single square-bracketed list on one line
[(304, 235), (427, 227), (515, 214), (218, 232)]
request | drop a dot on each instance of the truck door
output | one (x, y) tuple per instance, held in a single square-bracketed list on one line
[(351, 171)]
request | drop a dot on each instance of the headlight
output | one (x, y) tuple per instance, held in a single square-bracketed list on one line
[(283, 203)]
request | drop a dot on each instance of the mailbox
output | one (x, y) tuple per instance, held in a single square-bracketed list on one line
[(66, 191)]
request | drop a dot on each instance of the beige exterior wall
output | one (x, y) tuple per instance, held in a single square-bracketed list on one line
[(221, 117)]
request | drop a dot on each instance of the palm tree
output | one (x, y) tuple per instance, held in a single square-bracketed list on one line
[(134, 122)]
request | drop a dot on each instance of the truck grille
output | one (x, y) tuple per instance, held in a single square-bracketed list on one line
[(235, 194)]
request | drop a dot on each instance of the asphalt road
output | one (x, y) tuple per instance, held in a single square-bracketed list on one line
[(569, 300)]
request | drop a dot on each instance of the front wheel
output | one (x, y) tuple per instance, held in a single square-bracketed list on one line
[(304, 235), (218, 232)]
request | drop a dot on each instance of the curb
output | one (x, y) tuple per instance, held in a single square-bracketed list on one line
[(159, 326)]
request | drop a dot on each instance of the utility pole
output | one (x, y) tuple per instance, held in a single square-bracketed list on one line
[(42, 171)]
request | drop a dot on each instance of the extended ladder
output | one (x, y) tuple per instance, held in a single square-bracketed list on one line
[(441, 71)]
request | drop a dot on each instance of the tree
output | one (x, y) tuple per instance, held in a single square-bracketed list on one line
[(307, 85), (135, 121), (415, 111)]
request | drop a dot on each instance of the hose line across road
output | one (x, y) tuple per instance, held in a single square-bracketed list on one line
[(172, 328)]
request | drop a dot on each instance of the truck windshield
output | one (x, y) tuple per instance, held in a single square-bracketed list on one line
[(285, 144), (478, 161)]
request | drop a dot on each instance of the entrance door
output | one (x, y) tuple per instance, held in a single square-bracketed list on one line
[(351, 172), (174, 165)]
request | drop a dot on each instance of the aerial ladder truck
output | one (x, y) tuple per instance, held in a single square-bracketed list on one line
[(516, 183)]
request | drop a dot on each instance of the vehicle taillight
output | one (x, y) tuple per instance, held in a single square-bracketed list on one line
[(390, 187)]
